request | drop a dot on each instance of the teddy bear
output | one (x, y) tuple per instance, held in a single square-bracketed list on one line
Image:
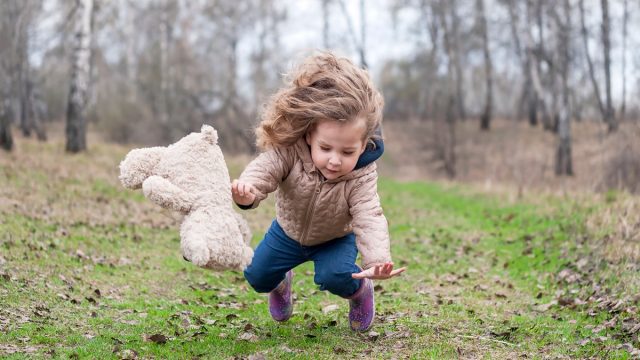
[(191, 177)]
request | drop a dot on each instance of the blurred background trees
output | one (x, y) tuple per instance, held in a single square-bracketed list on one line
[(150, 71)]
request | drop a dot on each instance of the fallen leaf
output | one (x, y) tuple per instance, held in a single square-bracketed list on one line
[(329, 308), (248, 336), (372, 335), (565, 301), (544, 307), (157, 338), (286, 349), (256, 356), (128, 354)]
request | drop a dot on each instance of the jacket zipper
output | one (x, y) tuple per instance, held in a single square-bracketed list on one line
[(310, 211)]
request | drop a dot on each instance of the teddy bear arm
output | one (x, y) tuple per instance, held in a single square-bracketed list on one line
[(162, 192), (138, 165)]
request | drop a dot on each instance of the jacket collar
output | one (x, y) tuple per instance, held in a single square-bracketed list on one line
[(303, 151)]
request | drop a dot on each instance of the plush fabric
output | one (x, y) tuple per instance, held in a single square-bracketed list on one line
[(191, 177)]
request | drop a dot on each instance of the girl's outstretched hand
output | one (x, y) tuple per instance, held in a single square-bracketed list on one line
[(379, 272), (243, 193)]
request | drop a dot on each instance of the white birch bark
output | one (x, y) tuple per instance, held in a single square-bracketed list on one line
[(80, 75), (609, 117), (564, 163)]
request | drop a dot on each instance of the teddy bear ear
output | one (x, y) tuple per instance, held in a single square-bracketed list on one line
[(210, 134)]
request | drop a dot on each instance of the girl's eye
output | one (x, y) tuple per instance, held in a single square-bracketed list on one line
[(348, 152), (324, 148)]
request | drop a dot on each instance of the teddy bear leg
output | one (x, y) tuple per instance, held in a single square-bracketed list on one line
[(194, 246)]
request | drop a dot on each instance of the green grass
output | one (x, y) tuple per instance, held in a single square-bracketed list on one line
[(481, 282)]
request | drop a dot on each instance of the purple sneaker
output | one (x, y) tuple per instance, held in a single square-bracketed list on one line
[(280, 302), (362, 307)]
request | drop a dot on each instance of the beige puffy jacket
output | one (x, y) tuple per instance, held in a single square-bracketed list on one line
[(313, 210)]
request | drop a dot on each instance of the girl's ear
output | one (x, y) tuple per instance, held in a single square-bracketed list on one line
[(364, 146)]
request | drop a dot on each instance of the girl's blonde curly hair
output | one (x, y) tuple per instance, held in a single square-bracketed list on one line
[(324, 86)]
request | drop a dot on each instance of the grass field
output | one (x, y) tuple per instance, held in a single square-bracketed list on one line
[(91, 270)]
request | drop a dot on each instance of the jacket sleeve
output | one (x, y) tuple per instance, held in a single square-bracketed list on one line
[(267, 171), (369, 223)]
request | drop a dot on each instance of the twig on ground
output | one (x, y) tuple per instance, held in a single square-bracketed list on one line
[(489, 339)]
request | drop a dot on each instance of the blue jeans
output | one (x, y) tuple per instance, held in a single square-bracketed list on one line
[(277, 253)]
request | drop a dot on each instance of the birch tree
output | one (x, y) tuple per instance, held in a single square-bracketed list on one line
[(625, 21), (485, 119), (6, 38), (325, 23), (609, 116), (528, 97), (604, 105), (591, 67), (358, 44), (164, 72), (6, 139), (76, 127), (564, 163), (534, 53), (452, 107)]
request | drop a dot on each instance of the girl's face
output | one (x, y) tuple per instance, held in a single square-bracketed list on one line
[(336, 146)]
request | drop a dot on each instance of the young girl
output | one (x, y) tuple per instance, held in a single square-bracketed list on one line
[(315, 134)]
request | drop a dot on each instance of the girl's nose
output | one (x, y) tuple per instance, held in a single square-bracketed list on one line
[(334, 162)]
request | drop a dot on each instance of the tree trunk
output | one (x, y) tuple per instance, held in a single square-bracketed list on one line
[(541, 95), (76, 127), (592, 72), (452, 107), (528, 96), (546, 99), (485, 120), (163, 99), (130, 57), (6, 140), (363, 36), (564, 164), (457, 58), (235, 116), (357, 44), (606, 47), (35, 111), (625, 20), (325, 23)]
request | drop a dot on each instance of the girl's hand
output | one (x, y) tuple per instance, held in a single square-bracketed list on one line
[(243, 193), (379, 272)]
